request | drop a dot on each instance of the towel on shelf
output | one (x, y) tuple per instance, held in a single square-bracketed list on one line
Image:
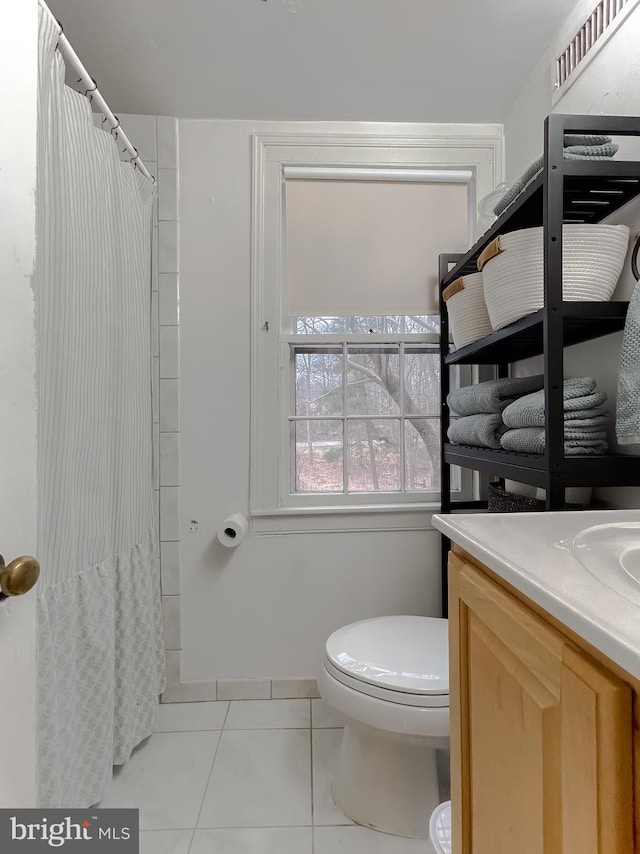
[(482, 430), (518, 186), (593, 152), (492, 396), (530, 440), (576, 147), (599, 420), (628, 401), (571, 139), (580, 402)]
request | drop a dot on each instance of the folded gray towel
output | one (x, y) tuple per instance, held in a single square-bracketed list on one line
[(518, 186), (481, 430), (577, 147), (578, 433), (576, 416), (628, 401), (597, 422), (578, 397), (530, 440), (596, 152), (571, 139), (491, 396)]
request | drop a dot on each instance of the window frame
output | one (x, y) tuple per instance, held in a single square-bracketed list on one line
[(476, 148)]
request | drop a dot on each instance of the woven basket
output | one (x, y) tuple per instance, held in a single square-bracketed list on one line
[(501, 501), (468, 316), (512, 268)]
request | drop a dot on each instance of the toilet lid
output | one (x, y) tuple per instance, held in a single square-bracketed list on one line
[(409, 654)]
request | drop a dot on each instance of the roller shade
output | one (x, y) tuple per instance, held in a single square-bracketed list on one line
[(369, 247)]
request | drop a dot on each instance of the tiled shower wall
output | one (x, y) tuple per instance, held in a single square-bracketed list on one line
[(156, 139)]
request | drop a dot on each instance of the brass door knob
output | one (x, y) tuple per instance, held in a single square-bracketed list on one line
[(19, 577)]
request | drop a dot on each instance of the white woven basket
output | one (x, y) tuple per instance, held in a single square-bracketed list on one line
[(468, 317), (512, 268)]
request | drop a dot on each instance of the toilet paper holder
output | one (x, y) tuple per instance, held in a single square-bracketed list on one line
[(232, 530)]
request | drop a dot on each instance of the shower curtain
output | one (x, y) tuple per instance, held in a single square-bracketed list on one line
[(100, 655)]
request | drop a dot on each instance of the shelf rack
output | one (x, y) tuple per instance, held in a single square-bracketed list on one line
[(565, 191)]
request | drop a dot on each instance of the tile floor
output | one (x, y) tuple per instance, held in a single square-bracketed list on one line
[(243, 777)]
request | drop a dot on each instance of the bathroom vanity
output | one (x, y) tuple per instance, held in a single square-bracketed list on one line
[(544, 620)]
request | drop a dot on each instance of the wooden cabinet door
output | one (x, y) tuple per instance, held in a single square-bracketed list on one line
[(541, 736)]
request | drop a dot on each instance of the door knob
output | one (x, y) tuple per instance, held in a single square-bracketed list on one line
[(19, 576)]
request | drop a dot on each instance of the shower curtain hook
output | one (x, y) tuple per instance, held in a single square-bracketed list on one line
[(115, 127), (60, 32), (95, 86)]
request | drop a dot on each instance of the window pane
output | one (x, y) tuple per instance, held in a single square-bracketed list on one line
[(421, 325), (318, 325), (319, 456), (374, 456), (456, 478), (422, 454), (318, 383), (397, 324), (422, 382), (372, 380)]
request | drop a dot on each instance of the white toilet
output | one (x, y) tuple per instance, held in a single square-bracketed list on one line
[(389, 678)]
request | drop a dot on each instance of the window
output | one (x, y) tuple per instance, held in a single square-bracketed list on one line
[(364, 418), (345, 382)]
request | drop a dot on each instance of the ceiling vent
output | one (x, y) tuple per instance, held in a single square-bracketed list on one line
[(602, 22)]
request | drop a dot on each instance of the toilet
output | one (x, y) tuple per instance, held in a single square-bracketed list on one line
[(388, 677)]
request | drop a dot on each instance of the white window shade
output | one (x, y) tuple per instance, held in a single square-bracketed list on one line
[(370, 247)]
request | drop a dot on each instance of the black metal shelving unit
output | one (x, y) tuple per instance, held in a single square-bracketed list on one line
[(565, 191)]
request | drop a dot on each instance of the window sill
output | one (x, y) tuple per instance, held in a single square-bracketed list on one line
[(335, 519)]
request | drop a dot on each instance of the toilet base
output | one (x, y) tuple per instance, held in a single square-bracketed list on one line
[(387, 782)]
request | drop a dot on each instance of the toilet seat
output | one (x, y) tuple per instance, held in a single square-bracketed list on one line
[(381, 714), (400, 659), (403, 698)]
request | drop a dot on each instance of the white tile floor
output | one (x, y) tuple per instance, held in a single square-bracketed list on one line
[(243, 777)]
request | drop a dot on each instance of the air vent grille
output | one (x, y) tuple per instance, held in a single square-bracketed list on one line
[(602, 17)]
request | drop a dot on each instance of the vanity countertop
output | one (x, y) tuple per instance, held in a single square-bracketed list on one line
[(533, 552)]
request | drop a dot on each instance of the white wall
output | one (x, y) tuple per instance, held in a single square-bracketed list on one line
[(265, 608), (605, 86), (608, 85), (18, 98)]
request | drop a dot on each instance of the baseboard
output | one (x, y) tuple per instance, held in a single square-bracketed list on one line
[(177, 691)]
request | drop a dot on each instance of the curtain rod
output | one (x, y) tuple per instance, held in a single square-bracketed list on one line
[(70, 56), (371, 173)]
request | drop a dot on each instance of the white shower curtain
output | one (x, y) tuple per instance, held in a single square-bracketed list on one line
[(100, 656)]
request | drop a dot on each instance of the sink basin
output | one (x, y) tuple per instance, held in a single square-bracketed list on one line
[(612, 554)]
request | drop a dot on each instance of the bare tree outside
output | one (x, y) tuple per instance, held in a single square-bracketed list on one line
[(377, 405)]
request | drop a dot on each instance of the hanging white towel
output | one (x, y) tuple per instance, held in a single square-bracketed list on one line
[(628, 402)]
